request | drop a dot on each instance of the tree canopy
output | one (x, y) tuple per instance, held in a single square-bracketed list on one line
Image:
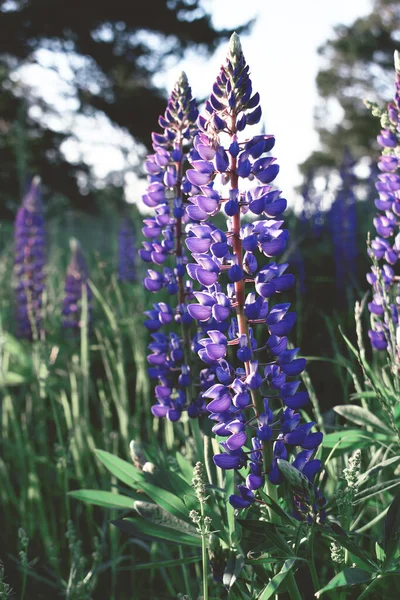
[(113, 50), (359, 66)]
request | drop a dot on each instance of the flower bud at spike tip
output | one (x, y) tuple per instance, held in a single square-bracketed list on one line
[(397, 61), (235, 46)]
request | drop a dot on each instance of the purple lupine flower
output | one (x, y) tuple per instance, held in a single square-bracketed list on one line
[(171, 355), (385, 247), (255, 402), (76, 284), (29, 270), (343, 224), (127, 252)]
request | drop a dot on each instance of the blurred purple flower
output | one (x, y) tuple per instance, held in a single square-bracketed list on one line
[(127, 252), (30, 258), (76, 284)]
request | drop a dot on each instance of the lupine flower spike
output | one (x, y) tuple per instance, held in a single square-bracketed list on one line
[(255, 403), (127, 252), (76, 286), (171, 353), (29, 236), (385, 248)]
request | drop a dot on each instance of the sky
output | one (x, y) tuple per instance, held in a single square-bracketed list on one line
[(281, 51)]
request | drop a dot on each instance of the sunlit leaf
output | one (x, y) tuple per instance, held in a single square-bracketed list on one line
[(347, 577), (276, 581), (104, 498)]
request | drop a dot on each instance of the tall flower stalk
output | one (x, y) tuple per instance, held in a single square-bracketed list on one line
[(30, 259), (76, 305), (385, 247), (171, 358), (254, 404)]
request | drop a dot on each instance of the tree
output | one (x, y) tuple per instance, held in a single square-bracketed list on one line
[(113, 50), (359, 66)]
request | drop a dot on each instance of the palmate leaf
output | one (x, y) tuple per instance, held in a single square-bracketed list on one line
[(372, 491), (376, 469), (121, 469), (166, 500), (232, 570), (159, 564), (362, 416), (361, 559), (277, 509), (270, 531), (144, 528), (351, 439), (347, 577), (105, 499), (276, 581), (135, 479)]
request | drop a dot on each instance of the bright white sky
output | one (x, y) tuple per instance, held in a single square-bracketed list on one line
[(282, 54)]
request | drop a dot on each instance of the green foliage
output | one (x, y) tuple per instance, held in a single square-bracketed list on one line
[(135, 525)]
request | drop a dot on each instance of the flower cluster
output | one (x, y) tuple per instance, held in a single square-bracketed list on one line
[(171, 353), (127, 252), (76, 284), (29, 236), (255, 395), (343, 223), (385, 248)]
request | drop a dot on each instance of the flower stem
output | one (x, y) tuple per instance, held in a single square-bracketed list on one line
[(313, 570), (292, 588), (204, 556)]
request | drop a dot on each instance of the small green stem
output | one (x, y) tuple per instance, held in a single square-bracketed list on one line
[(369, 588), (204, 555), (292, 588), (198, 440), (184, 572), (313, 570)]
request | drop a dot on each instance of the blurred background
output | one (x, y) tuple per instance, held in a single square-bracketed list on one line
[(81, 86)]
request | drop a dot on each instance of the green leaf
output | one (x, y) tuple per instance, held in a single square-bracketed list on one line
[(379, 552), (185, 467), (159, 564), (376, 469), (276, 508), (392, 530), (144, 528), (158, 515), (268, 530), (276, 581), (359, 556), (361, 416), (234, 566), (351, 439), (372, 491), (11, 379), (347, 577), (166, 500), (121, 469), (105, 499)]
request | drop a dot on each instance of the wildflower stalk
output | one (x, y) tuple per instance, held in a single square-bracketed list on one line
[(201, 521), (240, 401), (243, 324)]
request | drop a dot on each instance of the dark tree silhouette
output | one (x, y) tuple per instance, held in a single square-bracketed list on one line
[(115, 47), (359, 66)]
